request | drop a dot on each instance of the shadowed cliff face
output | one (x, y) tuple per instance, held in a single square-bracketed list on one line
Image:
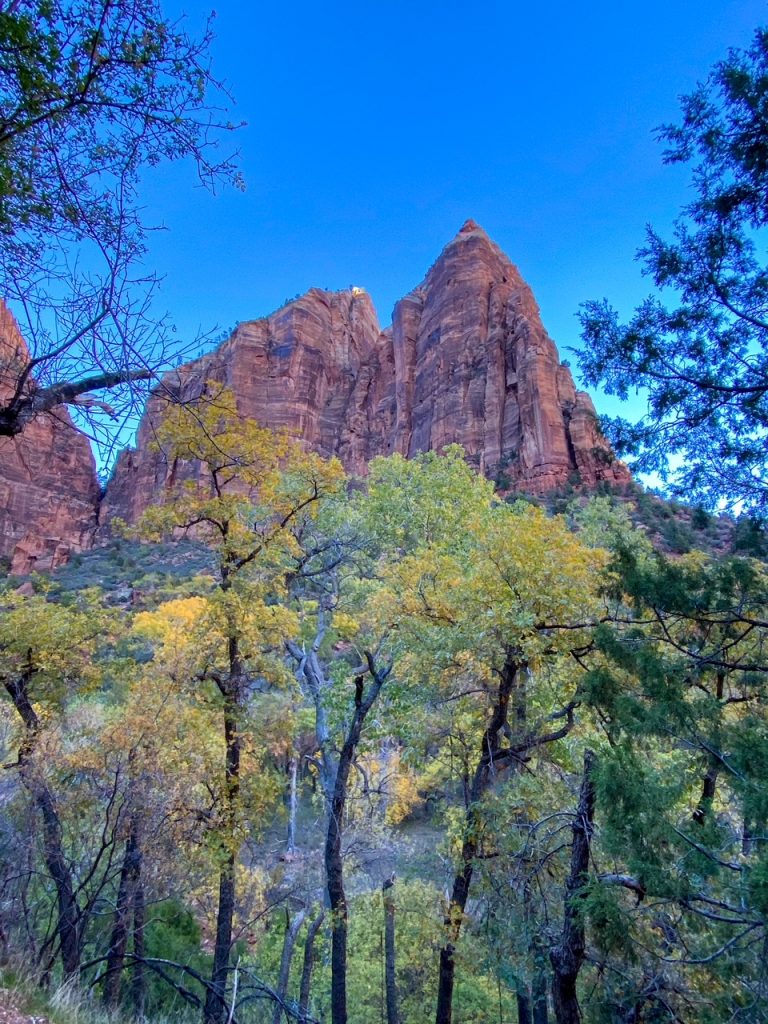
[(466, 360), (48, 486)]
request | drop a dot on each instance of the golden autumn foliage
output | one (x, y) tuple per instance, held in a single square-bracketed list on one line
[(235, 484), (53, 641)]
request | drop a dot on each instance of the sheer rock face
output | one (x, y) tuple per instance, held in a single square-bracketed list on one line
[(466, 360), (320, 367), (474, 365), (49, 491)]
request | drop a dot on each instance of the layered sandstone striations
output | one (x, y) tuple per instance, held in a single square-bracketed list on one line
[(474, 365), (316, 367), (466, 360), (49, 491)]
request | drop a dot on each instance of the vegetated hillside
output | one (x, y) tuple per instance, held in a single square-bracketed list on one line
[(672, 527), (134, 574), (143, 574), (471, 672), (131, 572)]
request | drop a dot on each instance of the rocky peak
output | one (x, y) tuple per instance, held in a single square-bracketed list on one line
[(465, 360)]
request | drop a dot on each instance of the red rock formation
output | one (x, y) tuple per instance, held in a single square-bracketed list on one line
[(49, 491), (475, 366), (316, 367), (466, 360)]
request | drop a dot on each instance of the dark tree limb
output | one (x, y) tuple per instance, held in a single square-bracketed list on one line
[(567, 956)]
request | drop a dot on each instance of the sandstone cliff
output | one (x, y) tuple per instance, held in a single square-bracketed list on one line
[(49, 491), (466, 360)]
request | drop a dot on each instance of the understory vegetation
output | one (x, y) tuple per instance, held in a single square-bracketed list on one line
[(404, 751)]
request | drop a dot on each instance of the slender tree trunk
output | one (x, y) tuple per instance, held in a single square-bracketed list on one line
[(215, 1001), (709, 782), (334, 873), (538, 989), (129, 877), (538, 1010), (292, 804), (453, 921), (523, 1004), (307, 967), (138, 980), (335, 781), (539, 995), (289, 943), (568, 956), (469, 849), (708, 790), (390, 976), (68, 916), (334, 865)]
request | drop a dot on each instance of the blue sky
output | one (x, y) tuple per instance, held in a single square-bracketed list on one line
[(375, 129)]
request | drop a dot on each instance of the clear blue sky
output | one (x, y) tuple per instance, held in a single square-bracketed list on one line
[(375, 129)]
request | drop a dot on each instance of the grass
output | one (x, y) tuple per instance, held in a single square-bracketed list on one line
[(63, 1004)]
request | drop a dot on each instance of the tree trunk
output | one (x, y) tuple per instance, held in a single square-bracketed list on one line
[(215, 1002), (334, 873), (335, 781), (708, 790), (334, 865), (568, 956), (68, 917), (292, 804), (709, 782), (462, 881), (453, 921), (129, 876), (307, 967), (390, 977), (289, 942), (138, 981), (523, 1004), (69, 913), (539, 994)]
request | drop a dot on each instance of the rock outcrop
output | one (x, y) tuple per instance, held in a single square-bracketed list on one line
[(466, 360), (474, 365), (49, 490), (315, 367)]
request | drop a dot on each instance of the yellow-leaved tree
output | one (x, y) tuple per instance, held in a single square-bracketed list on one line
[(242, 489), (47, 654), (486, 603)]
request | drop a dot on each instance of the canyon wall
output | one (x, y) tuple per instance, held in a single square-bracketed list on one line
[(49, 491), (466, 360)]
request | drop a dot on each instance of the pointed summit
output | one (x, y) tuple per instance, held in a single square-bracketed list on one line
[(466, 360), (471, 230), (470, 225), (471, 254)]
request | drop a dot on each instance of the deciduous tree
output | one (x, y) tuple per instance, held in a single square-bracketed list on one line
[(248, 487), (90, 96)]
